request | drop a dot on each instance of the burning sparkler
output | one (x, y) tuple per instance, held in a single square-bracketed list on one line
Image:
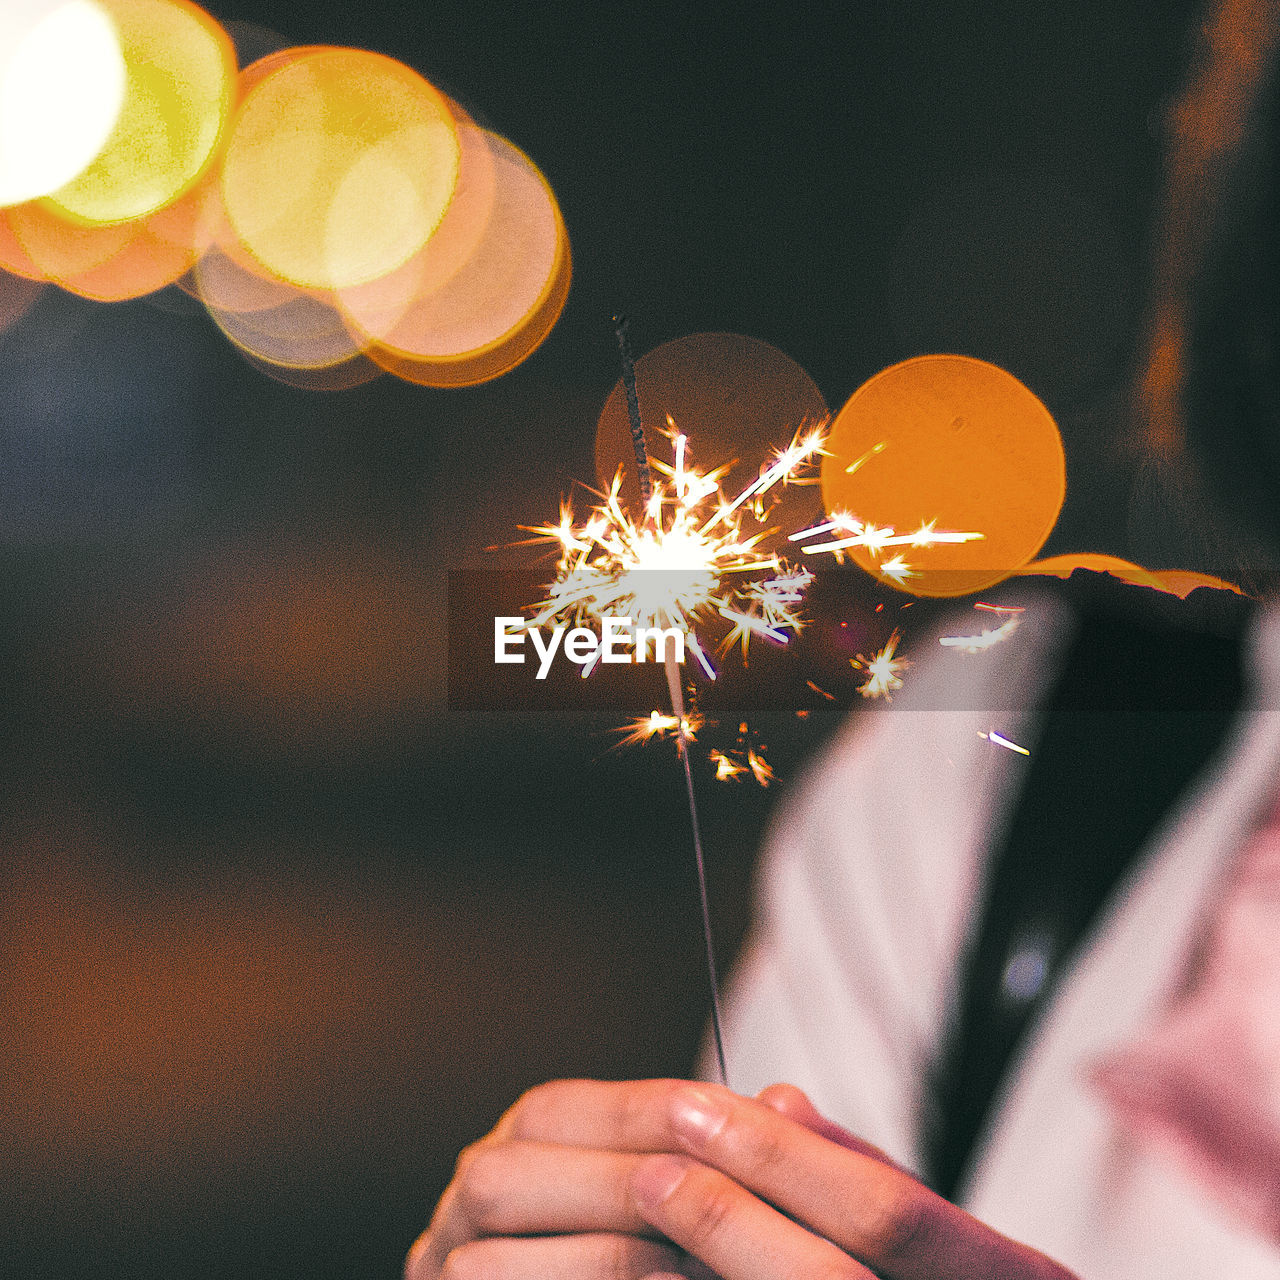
[(686, 559)]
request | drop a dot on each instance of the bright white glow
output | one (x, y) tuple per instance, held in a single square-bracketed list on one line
[(62, 84)]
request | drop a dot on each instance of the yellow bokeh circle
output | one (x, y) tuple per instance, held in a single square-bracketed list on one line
[(338, 167), (179, 83)]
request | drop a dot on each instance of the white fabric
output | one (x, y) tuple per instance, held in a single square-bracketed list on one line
[(866, 891)]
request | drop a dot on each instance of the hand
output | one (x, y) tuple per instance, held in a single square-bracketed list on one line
[(547, 1193), (770, 1189), (752, 1190)]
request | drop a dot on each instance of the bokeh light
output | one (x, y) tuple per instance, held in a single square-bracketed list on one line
[(955, 441), (1182, 582), (303, 332), (62, 85), (500, 305), (346, 220), (180, 78), (1065, 565), (736, 399), (340, 376), (1178, 582), (109, 263), (338, 168), (379, 307), (13, 257)]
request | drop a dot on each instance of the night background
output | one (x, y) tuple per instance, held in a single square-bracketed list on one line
[(283, 926)]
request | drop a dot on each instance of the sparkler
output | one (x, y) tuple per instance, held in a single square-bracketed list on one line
[(686, 559), (689, 557), (659, 725), (985, 640)]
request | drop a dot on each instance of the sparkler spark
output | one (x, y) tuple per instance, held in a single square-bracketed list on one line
[(980, 643), (731, 765), (1001, 741), (726, 768), (760, 768), (659, 724), (687, 559), (858, 463), (883, 670), (876, 539)]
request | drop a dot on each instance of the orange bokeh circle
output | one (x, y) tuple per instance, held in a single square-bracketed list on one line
[(956, 442), (471, 368), (1177, 582), (494, 309)]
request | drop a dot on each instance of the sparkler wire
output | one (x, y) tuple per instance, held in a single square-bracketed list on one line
[(622, 327), (677, 707)]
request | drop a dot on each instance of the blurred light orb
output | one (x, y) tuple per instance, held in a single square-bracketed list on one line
[(379, 307), (954, 441), (180, 80), (1177, 582), (302, 332), (62, 85), (470, 369), (498, 306), (339, 166), (111, 262)]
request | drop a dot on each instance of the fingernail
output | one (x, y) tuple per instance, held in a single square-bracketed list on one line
[(655, 1178), (697, 1117)]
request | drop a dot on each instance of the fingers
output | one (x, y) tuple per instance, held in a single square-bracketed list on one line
[(800, 1195), (872, 1210), (527, 1188), (533, 1188), (598, 1256), (800, 1169), (791, 1102), (628, 1115), (729, 1229)]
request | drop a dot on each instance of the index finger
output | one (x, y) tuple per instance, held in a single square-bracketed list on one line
[(628, 1115)]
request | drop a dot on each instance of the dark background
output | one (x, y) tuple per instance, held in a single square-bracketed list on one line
[(279, 930)]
